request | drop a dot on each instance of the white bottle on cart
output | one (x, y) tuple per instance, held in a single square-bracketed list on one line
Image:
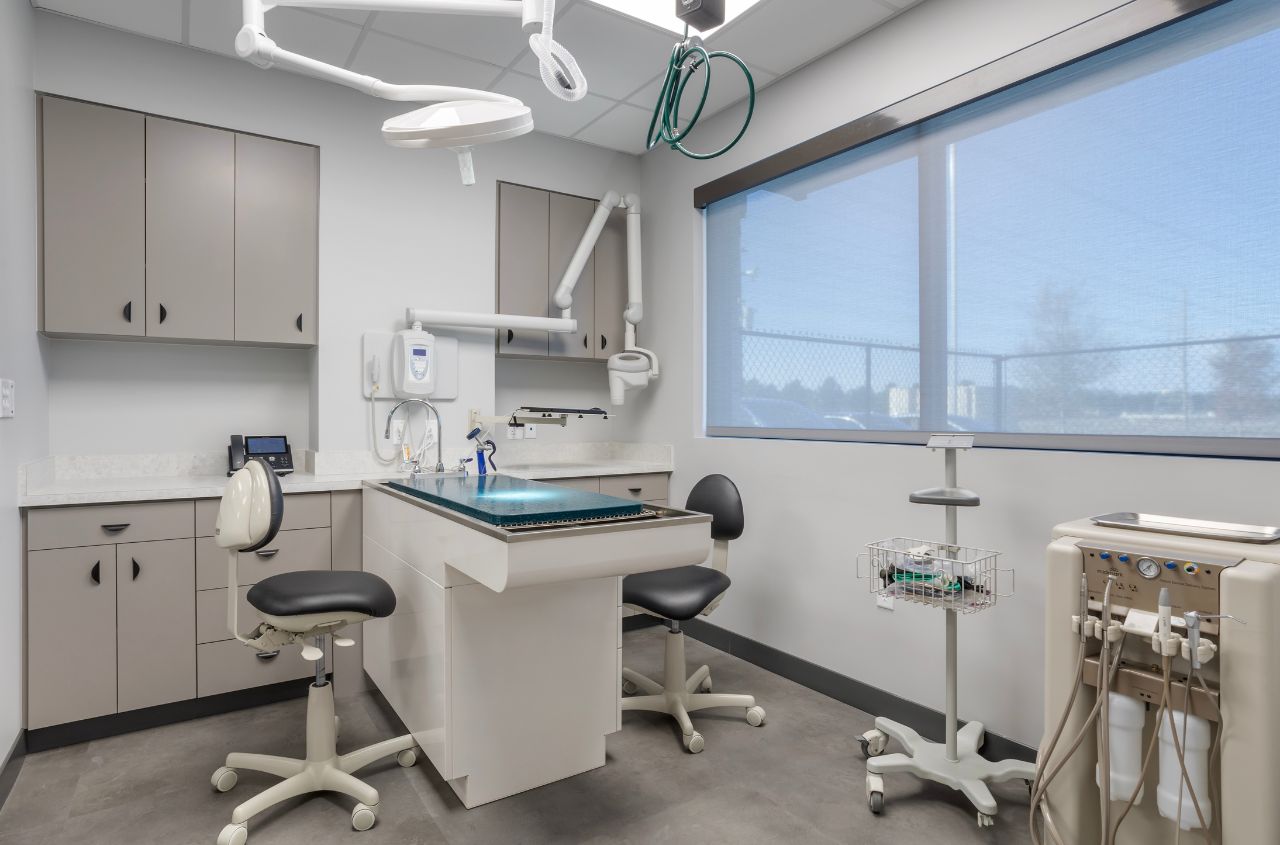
[(1195, 751)]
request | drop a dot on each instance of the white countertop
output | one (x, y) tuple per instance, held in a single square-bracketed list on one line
[(93, 481)]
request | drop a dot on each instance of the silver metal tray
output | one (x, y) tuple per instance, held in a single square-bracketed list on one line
[(1182, 526)]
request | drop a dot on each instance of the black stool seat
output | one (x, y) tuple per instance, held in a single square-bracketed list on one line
[(680, 594), (323, 591)]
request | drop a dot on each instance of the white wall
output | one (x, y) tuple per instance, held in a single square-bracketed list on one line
[(812, 506), (565, 385), (397, 228), (23, 438)]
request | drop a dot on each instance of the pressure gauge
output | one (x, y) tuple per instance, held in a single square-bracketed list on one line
[(1148, 568)]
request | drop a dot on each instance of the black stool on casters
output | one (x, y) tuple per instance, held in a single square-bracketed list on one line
[(293, 607), (677, 595)]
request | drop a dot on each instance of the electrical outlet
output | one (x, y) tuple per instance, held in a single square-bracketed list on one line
[(397, 431), (515, 433), (530, 432), (7, 400), (884, 602)]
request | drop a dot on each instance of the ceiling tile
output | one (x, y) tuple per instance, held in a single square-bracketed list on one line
[(490, 39), (812, 28), (550, 113), (623, 128), (616, 53), (406, 63), (154, 18), (347, 15), (214, 24)]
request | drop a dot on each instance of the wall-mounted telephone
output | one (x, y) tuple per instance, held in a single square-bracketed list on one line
[(273, 448)]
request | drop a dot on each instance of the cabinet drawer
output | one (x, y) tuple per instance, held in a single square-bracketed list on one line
[(228, 666), (211, 615), (301, 510), (61, 528), (290, 551), (591, 485), (643, 488)]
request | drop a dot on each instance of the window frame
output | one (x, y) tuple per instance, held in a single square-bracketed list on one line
[(1075, 44)]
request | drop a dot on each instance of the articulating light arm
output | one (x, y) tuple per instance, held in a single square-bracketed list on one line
[(563, 297)]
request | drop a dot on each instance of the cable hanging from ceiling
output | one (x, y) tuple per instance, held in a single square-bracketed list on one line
[(687, 57)]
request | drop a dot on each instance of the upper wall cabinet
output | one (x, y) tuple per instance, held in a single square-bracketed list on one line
[(538, 232), (94, 198), (160, 229)]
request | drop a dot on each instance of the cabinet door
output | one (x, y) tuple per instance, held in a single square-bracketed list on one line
[(71, 635), (611, 287), (569, 219), (190, 231), (93, 195), (523, 215), (156, 622), (277, 188)]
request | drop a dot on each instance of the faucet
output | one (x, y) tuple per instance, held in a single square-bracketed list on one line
[(439, 425)]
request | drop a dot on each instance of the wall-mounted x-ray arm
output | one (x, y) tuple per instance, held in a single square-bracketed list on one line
[(634, 367), (461, 117)]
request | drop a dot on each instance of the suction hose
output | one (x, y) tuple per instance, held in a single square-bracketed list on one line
[(686, 57), (559, 70)]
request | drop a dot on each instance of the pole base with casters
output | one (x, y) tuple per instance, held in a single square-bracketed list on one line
[(679, 696), (970, 772), (323, 770)]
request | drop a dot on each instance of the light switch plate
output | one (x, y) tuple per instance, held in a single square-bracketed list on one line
[(8, 402), (530, 431)]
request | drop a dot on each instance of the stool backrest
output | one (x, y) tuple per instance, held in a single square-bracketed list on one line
[(252, 508), (718, 496)]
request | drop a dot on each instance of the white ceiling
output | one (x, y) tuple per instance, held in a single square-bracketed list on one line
[(623, 58)]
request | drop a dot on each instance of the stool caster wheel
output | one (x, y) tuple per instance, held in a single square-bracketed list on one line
[(233, 834), (363, 817), (873, 743), (407, 758), (224, 779), (755, 716), (694, 743), (986, 821), (629, 687), (875, 801)]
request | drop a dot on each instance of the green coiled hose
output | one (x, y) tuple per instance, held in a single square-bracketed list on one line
[(664, 126)]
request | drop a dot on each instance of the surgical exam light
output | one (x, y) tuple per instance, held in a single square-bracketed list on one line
[(460, 118)]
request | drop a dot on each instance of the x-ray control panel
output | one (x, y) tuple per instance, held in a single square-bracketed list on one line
[(1142, 572)]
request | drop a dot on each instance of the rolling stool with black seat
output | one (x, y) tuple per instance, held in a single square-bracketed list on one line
[(294, 606), (677, 595)]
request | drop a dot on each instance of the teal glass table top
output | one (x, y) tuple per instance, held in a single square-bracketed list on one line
[(505, 501)]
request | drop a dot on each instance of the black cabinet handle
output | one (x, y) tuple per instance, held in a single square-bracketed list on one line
[(128, 311), (604, 341), (585, 342), (510, 335), (635, 490), (95, 574), (115, 528), (299, 322), (267, 554), (136, 569), (264, 656), (163, 312)]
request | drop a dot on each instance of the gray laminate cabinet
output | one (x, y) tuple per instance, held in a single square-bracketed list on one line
[(92, 233), (190, 220), (569, 217), (610, 287), (71, 644), (523, 220), (155, 623), (276, 196)]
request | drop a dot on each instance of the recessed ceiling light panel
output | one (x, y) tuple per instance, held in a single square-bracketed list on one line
[(663, 12)]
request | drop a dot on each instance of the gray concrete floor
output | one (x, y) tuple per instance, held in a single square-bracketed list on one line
[(798, 779)]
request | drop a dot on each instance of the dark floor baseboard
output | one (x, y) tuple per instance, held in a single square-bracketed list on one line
[(929, 722), (12, 766), (56, 736)]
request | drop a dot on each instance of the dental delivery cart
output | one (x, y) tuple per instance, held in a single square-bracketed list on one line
[(958, 579), (1190, 603)]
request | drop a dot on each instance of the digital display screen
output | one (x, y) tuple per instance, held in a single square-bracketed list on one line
[(265, 445), (419, 352)]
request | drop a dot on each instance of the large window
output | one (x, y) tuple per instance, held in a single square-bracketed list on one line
[(1087, 260)]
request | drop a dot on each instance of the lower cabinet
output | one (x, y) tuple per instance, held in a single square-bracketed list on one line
[(155, 623), (71, 643)]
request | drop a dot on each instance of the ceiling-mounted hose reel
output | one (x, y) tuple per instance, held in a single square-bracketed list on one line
[(686, 58)]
